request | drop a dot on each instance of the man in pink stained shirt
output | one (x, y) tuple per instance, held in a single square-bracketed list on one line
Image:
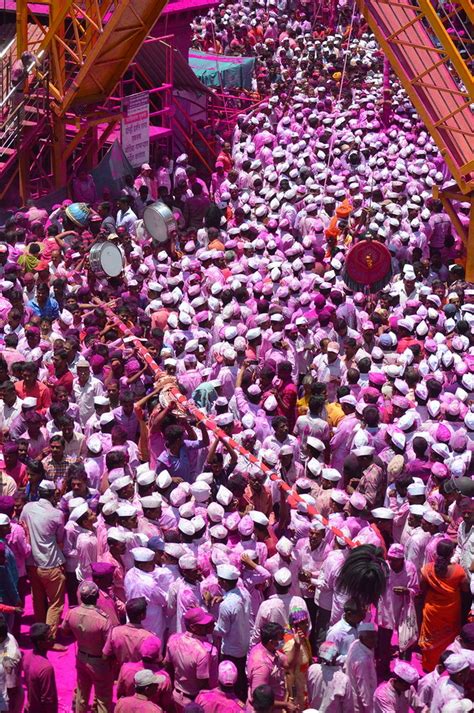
[(123, 643), (151, 659), (266, 666), (39, 673), (146, 684), (222, 699), (113, 556), (188, 659), (102, 573), (398, 693)]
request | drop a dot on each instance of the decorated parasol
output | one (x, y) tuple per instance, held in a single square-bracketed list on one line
[(368, 266)]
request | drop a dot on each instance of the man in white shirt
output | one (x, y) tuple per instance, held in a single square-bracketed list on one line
[(144, 579), (345, 631), (45, 524), (329, 370), (277, 607), (451, 687), (360, 668), (233, 624), (85, 388), (10, 406), (126, 218)]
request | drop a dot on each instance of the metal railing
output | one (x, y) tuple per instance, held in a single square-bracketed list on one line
[(25, 119), (6, 61)]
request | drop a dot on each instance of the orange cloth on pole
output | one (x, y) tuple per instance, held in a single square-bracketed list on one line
[(344, 209)]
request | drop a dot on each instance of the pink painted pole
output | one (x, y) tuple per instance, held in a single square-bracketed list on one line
[(387, 94)]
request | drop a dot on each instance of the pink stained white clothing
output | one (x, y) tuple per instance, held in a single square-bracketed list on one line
[(327, 595), (86, 548), (217, 701), (308, 425), (123, 643), (71, 533), (181, 596), (126, 685), (415, 547), (387, 700), (426, 687), (41, 683), (276, 562), (148, 584), (265, 668), (311, 561), (360, 669), (392, 607), (255, 581), (329, 689), (118, 576), (19, 545), (343, 635), (276, 609), (189, 661), (340, 443), (445, 692)]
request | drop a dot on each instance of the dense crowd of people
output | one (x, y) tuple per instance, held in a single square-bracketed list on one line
[(177, 575)]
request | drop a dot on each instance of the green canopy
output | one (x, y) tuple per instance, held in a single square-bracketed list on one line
[(215, 70)]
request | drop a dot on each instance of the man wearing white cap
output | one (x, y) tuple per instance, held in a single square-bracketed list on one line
[(373, 481), (277, 607), (232, 629), (329, 370), (451, 687), (146, 179), (340, 443), (285, 557), (421, 536), (312, 424), (398, 693), (311, 553), (222, 698), (360, 668), (86, 543), (396, 605), (146, 580), (184, 592), (85, 388)]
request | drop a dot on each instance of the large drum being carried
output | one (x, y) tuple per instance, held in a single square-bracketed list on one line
[(159, 221), (106, 259)]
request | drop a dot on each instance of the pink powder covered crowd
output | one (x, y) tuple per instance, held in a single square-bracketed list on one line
[(179, 577)]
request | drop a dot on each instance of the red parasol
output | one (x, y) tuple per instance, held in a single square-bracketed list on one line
[(368, 266)]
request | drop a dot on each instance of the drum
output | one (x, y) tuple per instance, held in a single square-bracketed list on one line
[(106, 260), (159, 221), (79, 214)]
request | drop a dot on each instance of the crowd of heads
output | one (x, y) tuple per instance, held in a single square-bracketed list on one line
[(357, 400)]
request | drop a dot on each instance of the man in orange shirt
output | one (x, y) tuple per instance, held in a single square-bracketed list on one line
[(29, 386)]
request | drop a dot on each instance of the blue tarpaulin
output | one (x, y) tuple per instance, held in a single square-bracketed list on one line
[(215, 70)]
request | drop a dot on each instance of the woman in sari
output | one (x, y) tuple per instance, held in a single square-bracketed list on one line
[(441, 586)]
